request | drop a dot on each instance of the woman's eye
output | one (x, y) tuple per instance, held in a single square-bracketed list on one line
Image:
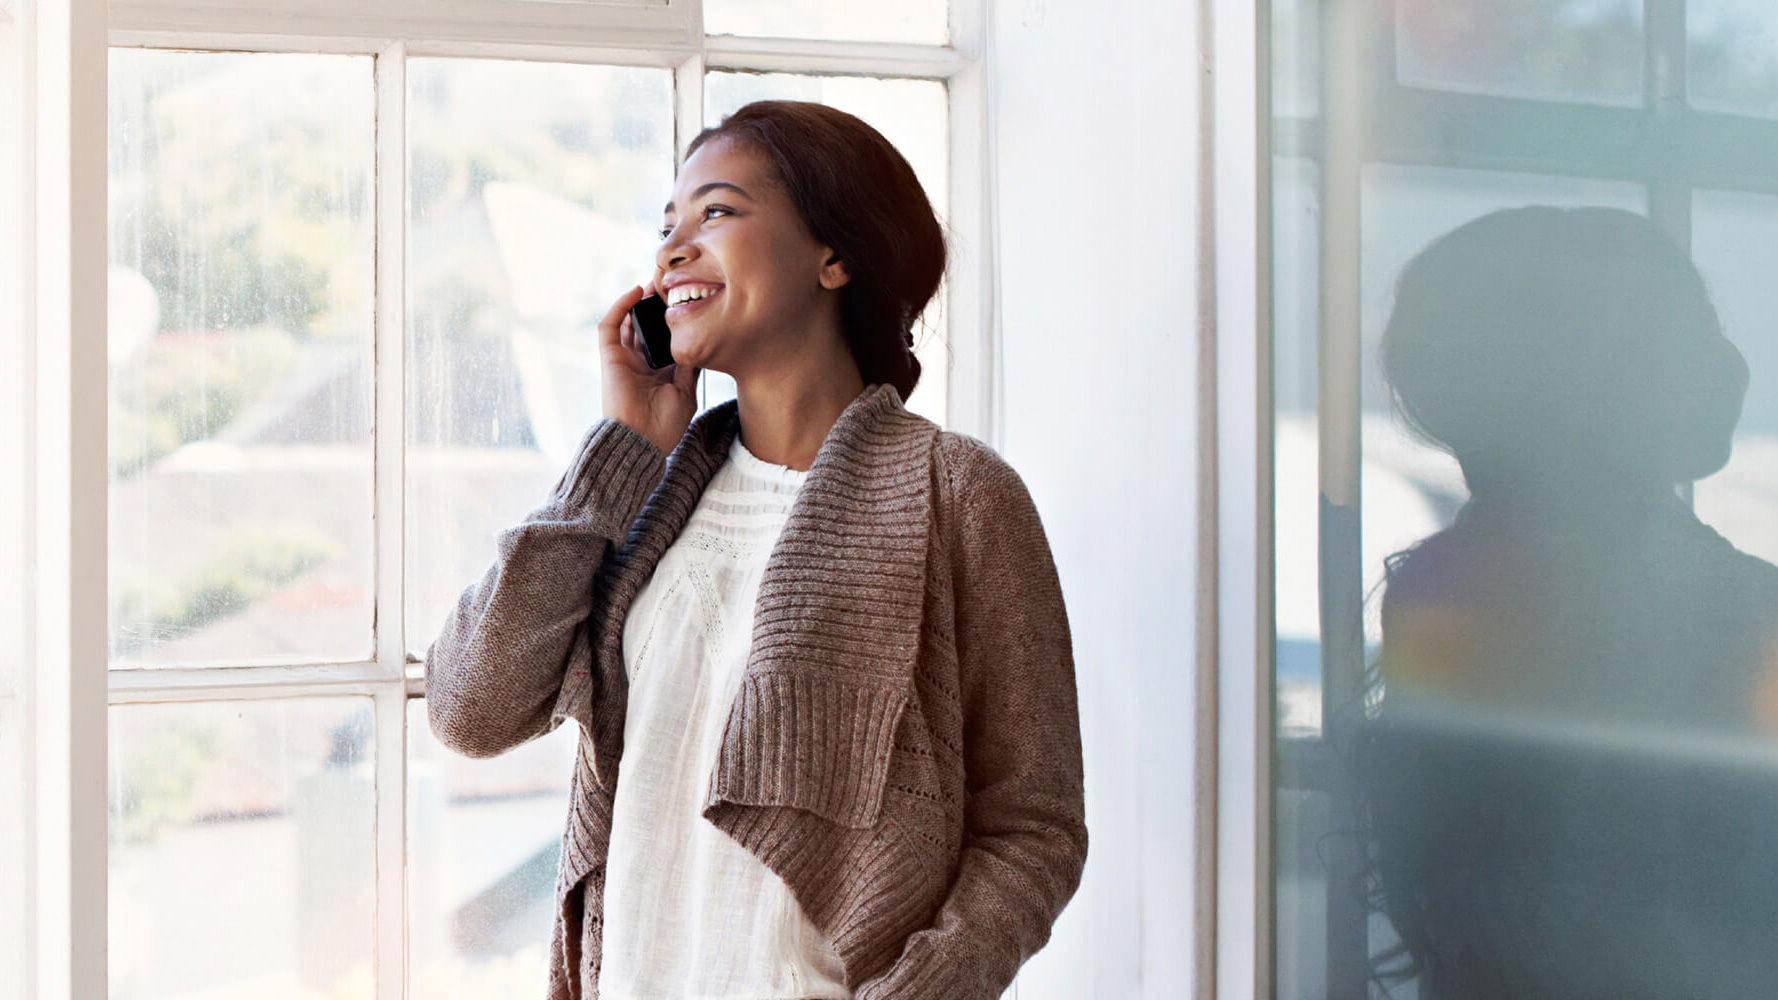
[(710, 212)]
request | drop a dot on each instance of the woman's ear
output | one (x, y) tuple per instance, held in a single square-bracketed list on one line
[(834, 273)]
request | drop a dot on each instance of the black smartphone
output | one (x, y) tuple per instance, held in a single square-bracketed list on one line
[(650, 319)]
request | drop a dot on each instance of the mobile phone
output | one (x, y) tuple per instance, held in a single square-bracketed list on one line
[(650, 319)]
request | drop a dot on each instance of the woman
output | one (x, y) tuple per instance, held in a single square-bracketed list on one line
[(821, 641)]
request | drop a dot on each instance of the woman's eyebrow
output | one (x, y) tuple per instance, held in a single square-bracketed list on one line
[(712, 186)]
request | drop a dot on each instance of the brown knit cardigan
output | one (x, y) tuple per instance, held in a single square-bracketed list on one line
[(905, 747)]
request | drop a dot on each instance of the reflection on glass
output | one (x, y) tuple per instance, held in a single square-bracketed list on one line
[(1407, 207), (1551, 770), (241, 361), (1732, 56), (913, 116), (1565, 50), (905, 21), (1296, 228), (1570, 672), (1735, 242), (535, 194), (1296, 58), (1410, 486), (242, 850), (483, 841)]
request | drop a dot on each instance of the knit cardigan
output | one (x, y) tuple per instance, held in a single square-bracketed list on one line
[(905, 748)]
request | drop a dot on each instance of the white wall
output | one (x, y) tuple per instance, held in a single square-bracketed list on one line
[(1096, 130)]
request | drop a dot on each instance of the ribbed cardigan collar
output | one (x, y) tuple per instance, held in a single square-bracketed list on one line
[(837, 625)]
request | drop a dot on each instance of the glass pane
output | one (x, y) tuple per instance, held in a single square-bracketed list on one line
[(535, 194), (1296, 225), (1557, 768), (1732, 57), (483, 840), (906, 21), (241, 358), (1296, 58), (914, 116), (16, 611), (1410, 489), (242, 850), (1562, 50), (1735, 242)]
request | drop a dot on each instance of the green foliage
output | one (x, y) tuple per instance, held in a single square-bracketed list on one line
[(251, 562), (154, 773), (240, 187), (183, 389)]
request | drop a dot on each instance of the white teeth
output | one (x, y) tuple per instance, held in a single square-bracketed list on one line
[(684, 293)]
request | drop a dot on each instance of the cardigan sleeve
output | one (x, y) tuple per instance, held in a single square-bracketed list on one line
[(1025, 836), (494, 674)]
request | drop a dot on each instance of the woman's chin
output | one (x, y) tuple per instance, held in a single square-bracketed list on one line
[(695, 355)]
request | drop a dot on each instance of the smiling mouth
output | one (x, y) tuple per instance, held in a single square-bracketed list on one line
[(688, 296)]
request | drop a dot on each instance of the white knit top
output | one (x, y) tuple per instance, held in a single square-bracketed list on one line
[(689, 914)]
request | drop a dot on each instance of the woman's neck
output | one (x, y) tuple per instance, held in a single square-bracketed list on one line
[(785, 415)]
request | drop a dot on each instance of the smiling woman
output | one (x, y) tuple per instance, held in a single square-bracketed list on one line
[(785, 630), (773, 195)]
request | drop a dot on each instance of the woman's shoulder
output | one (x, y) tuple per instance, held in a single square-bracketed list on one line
[(976, 480), (968, 464)]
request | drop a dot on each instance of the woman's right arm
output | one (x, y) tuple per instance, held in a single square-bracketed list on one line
[(493, 674)]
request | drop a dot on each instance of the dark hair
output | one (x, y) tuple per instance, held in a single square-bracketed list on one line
[(1546, 337), (858, 196)]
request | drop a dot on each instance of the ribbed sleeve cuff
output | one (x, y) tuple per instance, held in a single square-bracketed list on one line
[(612, 474), (910, 979)]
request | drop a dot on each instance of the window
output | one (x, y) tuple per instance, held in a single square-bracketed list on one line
[(355, 260), (1390, 127)]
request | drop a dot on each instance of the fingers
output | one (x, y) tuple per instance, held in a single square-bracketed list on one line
[(627, 334), (685, 377), (617, 319)]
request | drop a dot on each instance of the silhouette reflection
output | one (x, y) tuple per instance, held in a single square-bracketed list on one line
[(1572, 785)]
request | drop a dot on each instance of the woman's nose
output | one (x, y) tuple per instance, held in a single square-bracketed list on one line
[(674, 251)]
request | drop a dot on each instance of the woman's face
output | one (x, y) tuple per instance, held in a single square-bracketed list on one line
[(744, 280)]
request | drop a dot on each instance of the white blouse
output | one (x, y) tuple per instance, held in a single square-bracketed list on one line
[(689, 914)]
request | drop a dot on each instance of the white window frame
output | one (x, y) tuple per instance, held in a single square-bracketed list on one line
[(1235, 615), (60, 250), (67, 761)]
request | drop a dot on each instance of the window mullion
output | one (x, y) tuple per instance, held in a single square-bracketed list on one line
[(688, 104), (1339, 354), (245, 683), (688, 120), (1669, 189), (789, 55), (64, 103), (391, 847), (658, 26), (389, 442), (972, 380), (1234, 756)]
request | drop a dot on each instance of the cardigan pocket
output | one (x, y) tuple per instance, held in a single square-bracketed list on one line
[(810, 741)]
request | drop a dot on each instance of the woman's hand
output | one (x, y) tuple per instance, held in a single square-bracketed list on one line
[(656, 404)]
